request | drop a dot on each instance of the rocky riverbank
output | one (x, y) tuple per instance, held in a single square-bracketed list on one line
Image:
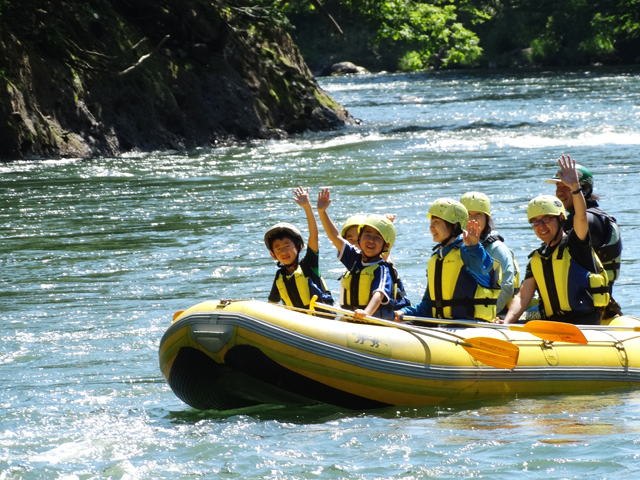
[(103, 77)]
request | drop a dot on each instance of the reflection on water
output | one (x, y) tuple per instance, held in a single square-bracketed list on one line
[(96, 255)]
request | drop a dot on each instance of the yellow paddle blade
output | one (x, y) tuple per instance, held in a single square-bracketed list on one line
[(177, 314), (492, 351), (553, 331)]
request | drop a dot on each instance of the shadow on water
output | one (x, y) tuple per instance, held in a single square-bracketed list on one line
[(559, 413), (321, 413), (470, 126)]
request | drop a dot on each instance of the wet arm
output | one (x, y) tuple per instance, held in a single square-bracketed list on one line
[(520, 301), (301, 197), (330, 229)]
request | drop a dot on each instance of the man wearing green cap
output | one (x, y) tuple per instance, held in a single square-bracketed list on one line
[(603, 228), (567, 275)]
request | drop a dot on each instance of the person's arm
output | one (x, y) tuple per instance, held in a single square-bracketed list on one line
[(382, 288), (372, 306), (301, 197), (568, 175), (520, 301), (324, 200), (274, 295), (421, 309), (501, 253)]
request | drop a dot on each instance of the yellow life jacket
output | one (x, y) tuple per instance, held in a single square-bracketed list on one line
[(356, 289), (564, 286), (455, 293), (295, 288)]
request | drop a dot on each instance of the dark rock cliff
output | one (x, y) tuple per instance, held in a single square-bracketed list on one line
[(103, 77)]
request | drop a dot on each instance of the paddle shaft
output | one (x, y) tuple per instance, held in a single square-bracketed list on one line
[(609, 327), (545, 329), (449, 321), (401, 326), (491, 351)]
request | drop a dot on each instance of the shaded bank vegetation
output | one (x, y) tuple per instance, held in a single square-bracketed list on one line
[(413, 34), (102, 77)]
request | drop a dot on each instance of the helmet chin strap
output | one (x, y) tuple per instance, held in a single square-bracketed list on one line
[(445, 242), (559, 232)]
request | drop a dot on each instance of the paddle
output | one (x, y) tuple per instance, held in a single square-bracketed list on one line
[(490, 351), (610, 327), (545, 329)]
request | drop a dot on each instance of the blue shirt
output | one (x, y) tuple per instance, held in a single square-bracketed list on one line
[(477, 262), (351, 257)]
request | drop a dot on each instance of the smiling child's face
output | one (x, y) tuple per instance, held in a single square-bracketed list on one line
[(284, 251), (371, 242)]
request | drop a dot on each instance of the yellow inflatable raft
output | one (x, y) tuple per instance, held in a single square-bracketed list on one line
[(232, 354)]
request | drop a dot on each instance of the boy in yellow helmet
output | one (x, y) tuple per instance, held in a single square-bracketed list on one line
[(297, 281), (565, 270), (350, 233), (350, 228), (367, 288)]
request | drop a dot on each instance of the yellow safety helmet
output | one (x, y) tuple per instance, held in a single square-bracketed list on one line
[(476, 202), (355, 220), (283, 227), (384, 226), (449, 210), (545, 205)]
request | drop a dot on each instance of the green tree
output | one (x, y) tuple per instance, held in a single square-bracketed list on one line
[(425, 33), (419, 34), (564, 31)]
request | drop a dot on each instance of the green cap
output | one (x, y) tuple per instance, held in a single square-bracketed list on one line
[(584, 176)]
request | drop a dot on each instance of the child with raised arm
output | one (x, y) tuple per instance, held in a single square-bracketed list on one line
[(367, 288), (350, 234), (297, 281)]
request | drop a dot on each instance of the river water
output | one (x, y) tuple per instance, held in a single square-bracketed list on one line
[(96, 255)]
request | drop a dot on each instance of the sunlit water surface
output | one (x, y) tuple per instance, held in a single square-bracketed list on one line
[(96, 255)]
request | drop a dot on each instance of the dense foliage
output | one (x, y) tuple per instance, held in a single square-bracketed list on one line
[(102, 77), (417, 34)]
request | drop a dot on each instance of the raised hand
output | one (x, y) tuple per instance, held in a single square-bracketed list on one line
[(324, 199), (301, 196), (568, 174), (471, 236)]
